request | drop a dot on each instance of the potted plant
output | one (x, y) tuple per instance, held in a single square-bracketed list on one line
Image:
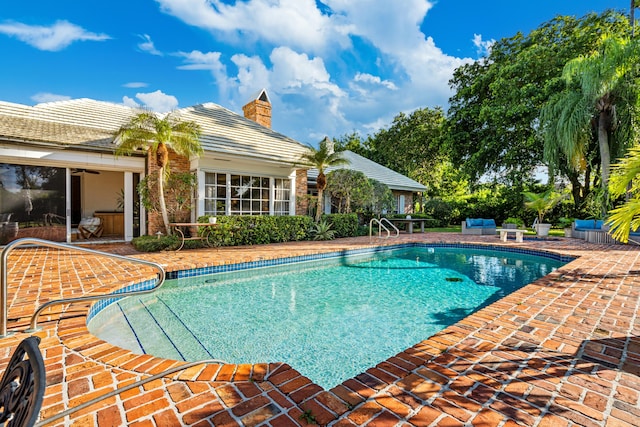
[(566, 223), (541, 203)]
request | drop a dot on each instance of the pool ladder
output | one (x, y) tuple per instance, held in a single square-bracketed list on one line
[(40, 242), (381, 227)]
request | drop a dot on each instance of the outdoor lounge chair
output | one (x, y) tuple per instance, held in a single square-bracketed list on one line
[(90, 227), (479, 226), (581, 226)]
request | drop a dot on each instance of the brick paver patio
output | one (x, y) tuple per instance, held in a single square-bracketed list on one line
[(562, 351)]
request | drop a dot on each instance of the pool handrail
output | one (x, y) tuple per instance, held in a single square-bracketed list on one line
[(382, 226), (40, 242)]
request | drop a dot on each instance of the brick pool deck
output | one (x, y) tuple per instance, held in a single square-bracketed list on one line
[(562, 351)]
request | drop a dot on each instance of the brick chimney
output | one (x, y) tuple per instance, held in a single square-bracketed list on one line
[(259, 109)]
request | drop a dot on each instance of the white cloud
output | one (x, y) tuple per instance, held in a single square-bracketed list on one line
[(156, 101), (147, 45), (292, 71), (135, 85), (308, 78), (49, 97), (209, 61), (54, 38), (374, 80), (252, 75), (483, 46), (130, 102), (295, 23)]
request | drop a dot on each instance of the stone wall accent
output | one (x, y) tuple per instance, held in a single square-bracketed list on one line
[(177, 164), (302, 202), (408, 201)]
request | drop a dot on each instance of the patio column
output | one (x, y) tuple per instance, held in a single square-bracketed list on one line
[(128, 206)]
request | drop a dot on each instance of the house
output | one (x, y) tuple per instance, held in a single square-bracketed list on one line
[(403, 188), (57, 166)]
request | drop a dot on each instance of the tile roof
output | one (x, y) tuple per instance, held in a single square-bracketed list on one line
[(89, 124), (224, 131), (63, 123), (373, 170)]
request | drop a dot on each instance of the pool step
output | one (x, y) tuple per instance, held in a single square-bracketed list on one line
[(161, 332)]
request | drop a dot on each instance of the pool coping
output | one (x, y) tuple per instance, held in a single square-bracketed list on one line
[(413, 385), (100, 305)]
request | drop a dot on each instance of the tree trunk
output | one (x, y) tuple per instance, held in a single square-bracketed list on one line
[(320, 205), (632, 17), (162, 156), (605, 156), (321, 184), (163, 205)]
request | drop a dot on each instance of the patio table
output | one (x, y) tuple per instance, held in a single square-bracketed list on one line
[(194, 235)]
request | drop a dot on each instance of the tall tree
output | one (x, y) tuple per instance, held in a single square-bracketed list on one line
[(155, 134), (493, 119), (321, 158), (410, 143), (599, 100), (349, 188)]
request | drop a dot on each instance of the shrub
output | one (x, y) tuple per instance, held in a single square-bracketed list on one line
[(440, 211), (155, 244), (323, 231), (255, 230), (345, 225)]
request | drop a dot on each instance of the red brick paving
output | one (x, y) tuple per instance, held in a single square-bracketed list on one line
[(562, 351)]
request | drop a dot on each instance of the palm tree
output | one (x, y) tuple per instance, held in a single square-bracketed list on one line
[(321, 159), (597, 100), (625, 218), (156, 135)]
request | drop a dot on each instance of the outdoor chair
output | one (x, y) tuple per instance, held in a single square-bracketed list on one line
[(22, 386), (90, 227), (479, 226)]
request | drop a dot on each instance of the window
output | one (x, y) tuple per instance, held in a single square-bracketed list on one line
[(246, 195), (282, 197), (215, 190)]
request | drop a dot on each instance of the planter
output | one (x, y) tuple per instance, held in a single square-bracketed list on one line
[(542, 229), (509, 226), (568, 232)]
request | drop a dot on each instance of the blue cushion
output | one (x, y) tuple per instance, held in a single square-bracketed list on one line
[(585, 224), (474, 222), (598, 224), (488, 223)]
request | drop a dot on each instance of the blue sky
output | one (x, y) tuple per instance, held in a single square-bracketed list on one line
[(330, 67)]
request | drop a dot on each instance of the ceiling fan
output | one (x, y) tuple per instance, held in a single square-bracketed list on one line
[(85, 171)]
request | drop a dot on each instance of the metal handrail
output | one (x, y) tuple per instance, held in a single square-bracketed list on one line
[(392, 226), (382, 226), (40, 242)]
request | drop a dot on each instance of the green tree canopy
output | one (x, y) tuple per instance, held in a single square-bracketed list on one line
[(349, 188), (493, 120), (598, 102)]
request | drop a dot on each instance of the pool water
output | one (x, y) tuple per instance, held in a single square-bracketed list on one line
[(330, 319)]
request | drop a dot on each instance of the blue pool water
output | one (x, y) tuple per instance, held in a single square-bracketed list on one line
[(330, 320)]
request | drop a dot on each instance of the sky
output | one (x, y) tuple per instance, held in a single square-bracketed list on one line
[(330, 67)]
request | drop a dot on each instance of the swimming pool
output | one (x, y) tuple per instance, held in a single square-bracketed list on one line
[(330, 320)]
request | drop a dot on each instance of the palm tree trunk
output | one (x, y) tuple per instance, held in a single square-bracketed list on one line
[(605, 157), (320, 205), (163, 205), (632, 17)]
